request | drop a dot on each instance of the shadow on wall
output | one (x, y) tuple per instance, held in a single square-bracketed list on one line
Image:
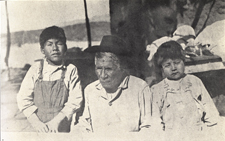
[(220, 104), (85, 64)]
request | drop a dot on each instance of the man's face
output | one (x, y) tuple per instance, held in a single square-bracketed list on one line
[(173, 69), (54, 51), (109, 73)]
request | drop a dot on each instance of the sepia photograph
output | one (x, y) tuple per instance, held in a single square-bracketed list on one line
[(124, 70)]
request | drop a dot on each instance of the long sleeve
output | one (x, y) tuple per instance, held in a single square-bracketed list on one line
[(25, 96), (84, 124), (148, 119), (211, 112), (75, 92), (145, 107)]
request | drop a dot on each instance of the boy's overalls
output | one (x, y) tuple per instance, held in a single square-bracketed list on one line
[(50, 97)]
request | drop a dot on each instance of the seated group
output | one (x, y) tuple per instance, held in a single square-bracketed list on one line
[(51, 93)]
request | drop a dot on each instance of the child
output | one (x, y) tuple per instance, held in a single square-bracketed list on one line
[(183, 101), (50, 92)]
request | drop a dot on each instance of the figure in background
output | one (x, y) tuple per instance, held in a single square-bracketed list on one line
[(212, 39), (185, 36), (50, 92), (182, 100), (117, 101), (156, 74), (163, 23)]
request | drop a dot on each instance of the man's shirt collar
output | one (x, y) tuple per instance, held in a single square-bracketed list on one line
[(52, 67), (123, 84)]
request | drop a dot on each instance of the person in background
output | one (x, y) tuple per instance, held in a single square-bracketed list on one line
[(50, 92), (117, 101), (185, 36), (155, 73), (182, 100), (152, 48)]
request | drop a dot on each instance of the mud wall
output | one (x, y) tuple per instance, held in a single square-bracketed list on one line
[(140, 22)]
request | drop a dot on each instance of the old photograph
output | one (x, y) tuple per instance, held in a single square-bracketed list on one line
[(112, 70)]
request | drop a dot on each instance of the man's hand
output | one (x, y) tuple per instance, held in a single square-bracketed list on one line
[(53, 125), (37, 124)]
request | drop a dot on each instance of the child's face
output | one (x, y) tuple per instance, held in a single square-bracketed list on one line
[(54, 51), (173, 69)]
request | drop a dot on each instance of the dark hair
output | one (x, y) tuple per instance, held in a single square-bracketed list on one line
[(52, 32), (168, 50)]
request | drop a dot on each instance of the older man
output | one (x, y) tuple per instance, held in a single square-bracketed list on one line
[(117, 101)]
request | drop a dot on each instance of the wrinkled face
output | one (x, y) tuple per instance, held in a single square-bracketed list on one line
[(173, 69), (54, 51), (109, 73)]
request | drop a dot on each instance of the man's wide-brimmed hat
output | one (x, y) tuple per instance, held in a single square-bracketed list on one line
[(110, 43)]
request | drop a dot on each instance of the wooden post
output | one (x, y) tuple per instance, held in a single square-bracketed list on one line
[(204, 25), (87, 24), (198, 13), (8, 41)]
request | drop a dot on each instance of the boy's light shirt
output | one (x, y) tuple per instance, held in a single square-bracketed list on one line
[(50, 73)]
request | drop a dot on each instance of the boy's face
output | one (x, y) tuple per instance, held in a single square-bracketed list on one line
[(173, 69), (54, 51)]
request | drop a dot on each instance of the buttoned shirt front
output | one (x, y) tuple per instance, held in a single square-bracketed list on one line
[(128, 110)]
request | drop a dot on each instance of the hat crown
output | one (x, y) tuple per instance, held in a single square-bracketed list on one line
[(114, 44), (111, 40), (111, 43)]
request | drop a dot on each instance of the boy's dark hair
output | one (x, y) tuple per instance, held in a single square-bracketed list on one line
[(52, 32), (168, 50)]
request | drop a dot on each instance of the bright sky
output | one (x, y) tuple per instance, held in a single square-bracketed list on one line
[(36, 14)]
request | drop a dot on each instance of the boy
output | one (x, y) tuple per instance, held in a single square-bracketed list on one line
[(50, 92)]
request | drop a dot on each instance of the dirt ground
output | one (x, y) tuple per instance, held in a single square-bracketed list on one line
[(12, 120)]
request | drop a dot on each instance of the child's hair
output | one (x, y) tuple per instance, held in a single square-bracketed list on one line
[(52, 32), (168, 50)]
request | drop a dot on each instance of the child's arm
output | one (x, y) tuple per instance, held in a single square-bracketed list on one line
[(37, 124), (211, 113), (75, 93), (25, 99), (25, 96), (157, 95), (54, 123)]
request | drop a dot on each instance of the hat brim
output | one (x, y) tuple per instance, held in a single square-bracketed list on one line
[(94, 49)]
